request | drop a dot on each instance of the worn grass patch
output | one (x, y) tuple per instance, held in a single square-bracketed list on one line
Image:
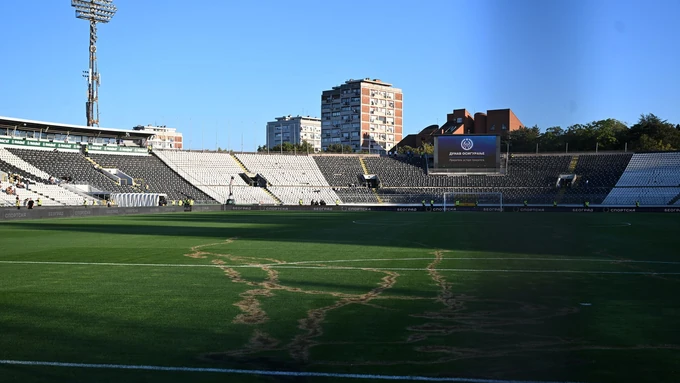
[(274, 292)]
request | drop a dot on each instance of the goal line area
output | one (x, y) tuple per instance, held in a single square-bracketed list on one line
[(489, 199)]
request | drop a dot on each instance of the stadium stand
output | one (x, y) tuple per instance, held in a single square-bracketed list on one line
[(151, 171), (652, 169), (39, 183), (205, 168), (358, 195), (291, 178), (340, 170), (522, 171), (54, 195), (49, 195), (602, 170), (597, 175), (627, 196), (212, 172), (70, 165), (291, 195), (12, 164), (650, 179), (608, 179), (284, 170), (399, 172), (5, 199), (528, 177)]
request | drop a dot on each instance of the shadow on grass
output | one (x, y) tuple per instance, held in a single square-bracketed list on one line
[(541, 233), (79, 331)]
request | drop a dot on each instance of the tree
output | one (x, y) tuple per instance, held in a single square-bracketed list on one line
[(426, 149), (552, 139), (646, 143), (524, 139), (339, 148), (608, 133), (305, 147), (405, 149), (285, 147), (649, 133), (660, 133)]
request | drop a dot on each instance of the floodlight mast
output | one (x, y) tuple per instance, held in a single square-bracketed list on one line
[(95, 11)]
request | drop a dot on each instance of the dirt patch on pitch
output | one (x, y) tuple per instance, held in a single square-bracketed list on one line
[(457, 315), (312, 324), (196, 252)]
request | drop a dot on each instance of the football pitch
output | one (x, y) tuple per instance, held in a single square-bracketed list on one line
[(340, 296)]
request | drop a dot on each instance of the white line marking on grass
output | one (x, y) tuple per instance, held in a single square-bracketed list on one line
[(284, 266), (106, 264), (263, 372), (467, 223), (486, 259)]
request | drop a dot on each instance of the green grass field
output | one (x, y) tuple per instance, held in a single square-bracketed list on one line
[(514, 296)]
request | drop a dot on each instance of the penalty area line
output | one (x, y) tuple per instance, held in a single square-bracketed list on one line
[(263, 372)]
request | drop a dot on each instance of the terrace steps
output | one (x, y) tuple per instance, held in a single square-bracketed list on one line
[(245, 170), (275, 198)]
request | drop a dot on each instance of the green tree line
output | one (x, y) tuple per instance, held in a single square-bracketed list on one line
[(305, 147), (650, 133), (423, 149)]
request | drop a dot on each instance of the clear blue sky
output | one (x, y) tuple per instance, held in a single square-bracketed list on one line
[(223, 68)]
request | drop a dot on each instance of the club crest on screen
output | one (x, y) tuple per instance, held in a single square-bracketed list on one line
[(466, 144)]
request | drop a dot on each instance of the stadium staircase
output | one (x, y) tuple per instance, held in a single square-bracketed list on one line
[(572, 168), (99, 167), (275, 198), (572, 164), (674, 200), (245, 170), (363, 166)]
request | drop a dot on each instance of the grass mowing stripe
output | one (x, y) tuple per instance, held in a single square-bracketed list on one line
[(264, 372), (284, 266), (487, 259)]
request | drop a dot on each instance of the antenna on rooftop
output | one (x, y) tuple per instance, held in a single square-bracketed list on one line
[(94, 11)]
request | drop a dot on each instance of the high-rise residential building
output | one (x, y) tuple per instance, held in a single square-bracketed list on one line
[(164, 137), (294, 130), (364, 114)]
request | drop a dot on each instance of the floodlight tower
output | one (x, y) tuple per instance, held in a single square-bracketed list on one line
[(95, 11)]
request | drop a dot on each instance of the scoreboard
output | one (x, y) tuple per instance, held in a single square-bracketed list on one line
[(467, 152)]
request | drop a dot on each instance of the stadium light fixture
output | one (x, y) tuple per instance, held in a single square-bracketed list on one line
[(94, 11)]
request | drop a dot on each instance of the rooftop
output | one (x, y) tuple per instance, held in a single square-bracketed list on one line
[(32, 125), (298, 117)]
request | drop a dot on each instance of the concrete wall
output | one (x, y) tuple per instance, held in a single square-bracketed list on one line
[(10, 214)]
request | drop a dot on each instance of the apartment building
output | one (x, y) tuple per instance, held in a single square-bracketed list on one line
[(294, 130), (163, 138), (495, 121), (364, 114)]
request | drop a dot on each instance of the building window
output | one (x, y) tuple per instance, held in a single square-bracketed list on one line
[(493, 127), (503, 127)]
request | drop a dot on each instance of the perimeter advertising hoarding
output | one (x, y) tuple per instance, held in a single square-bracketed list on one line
[(467, 152)]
